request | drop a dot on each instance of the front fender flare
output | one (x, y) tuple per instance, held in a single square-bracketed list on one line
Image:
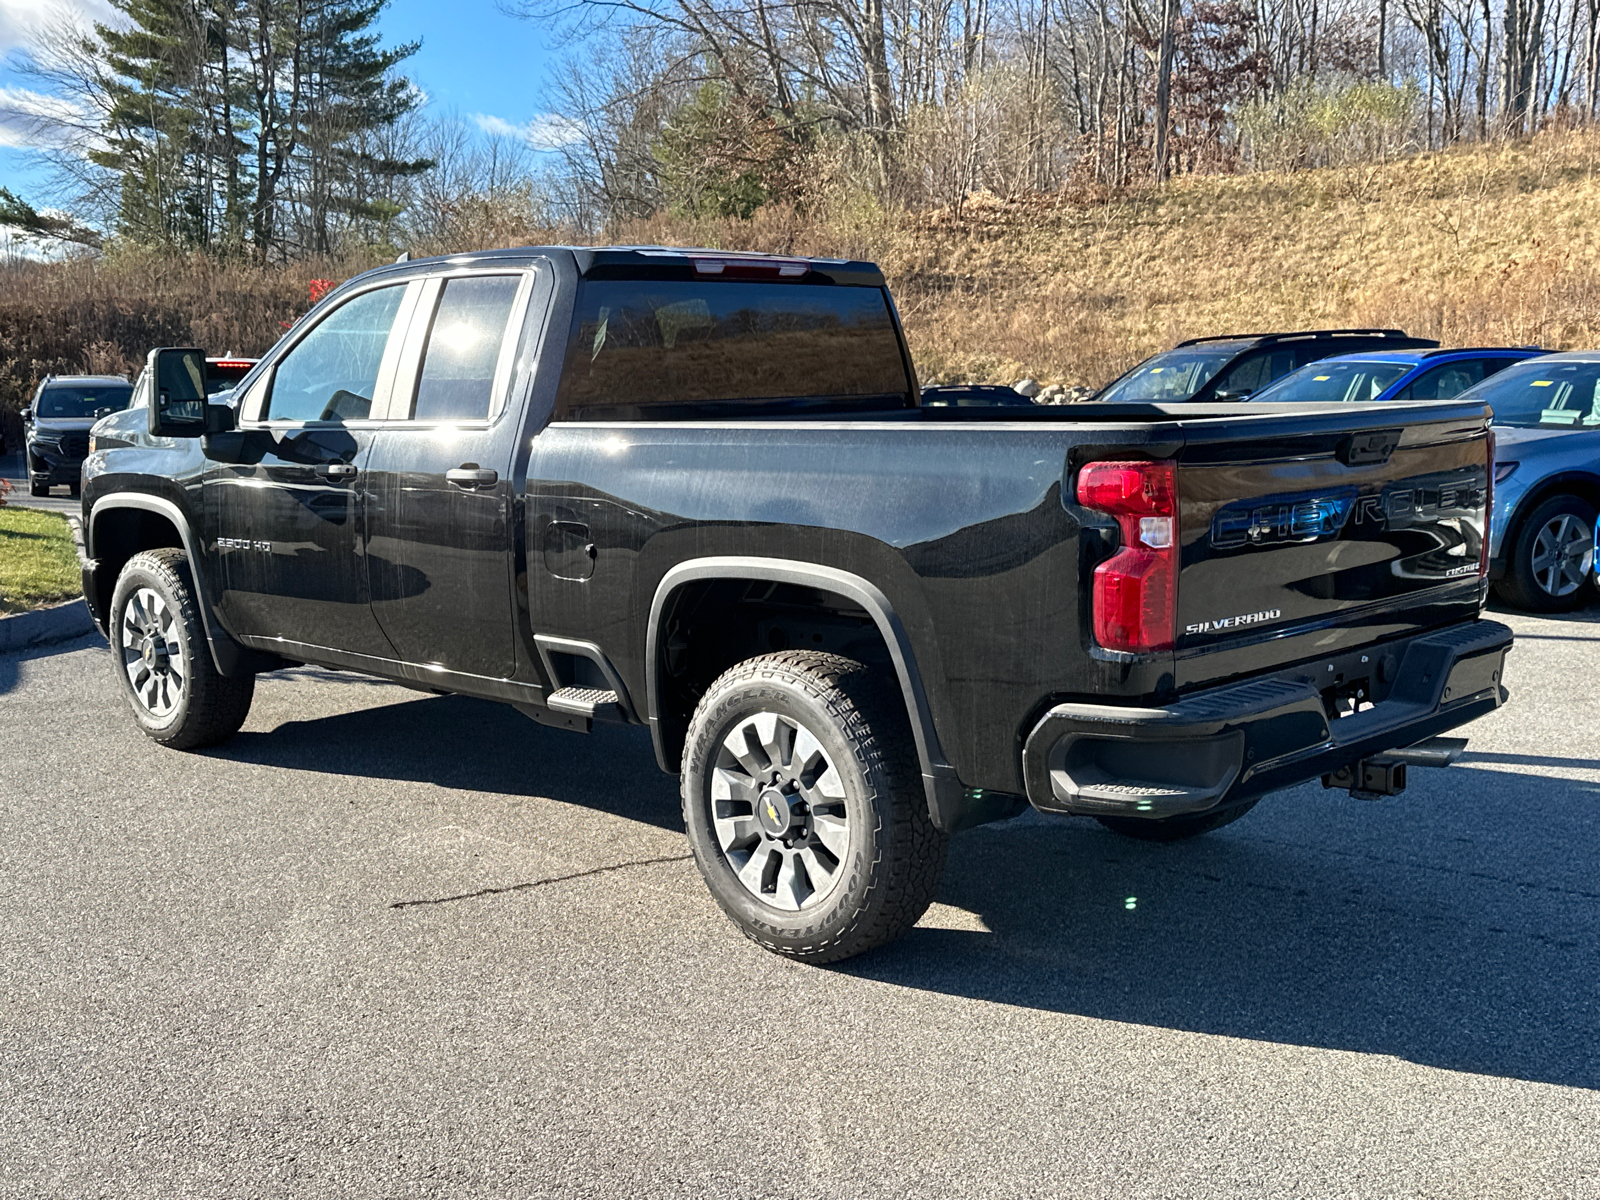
[(228, 655)]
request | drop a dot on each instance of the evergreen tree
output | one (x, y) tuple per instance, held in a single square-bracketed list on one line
[(353, 95)]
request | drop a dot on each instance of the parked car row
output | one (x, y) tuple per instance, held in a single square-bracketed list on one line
[(1543, 536)]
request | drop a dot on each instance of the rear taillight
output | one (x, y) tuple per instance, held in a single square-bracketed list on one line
[(1136, 589), (1488, 507)]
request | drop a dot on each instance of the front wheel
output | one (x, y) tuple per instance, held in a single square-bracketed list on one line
[(1550, 558), (161, 660), (804, 806)]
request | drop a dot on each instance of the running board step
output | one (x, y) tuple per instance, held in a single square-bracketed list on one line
[(599, 704)]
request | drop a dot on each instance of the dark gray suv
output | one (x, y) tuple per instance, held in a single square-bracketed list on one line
[(57, 421)]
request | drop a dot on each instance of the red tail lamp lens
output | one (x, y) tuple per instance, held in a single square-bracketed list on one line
[(1136, 589)]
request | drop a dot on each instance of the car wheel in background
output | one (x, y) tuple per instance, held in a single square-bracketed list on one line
[(1551, 557), (804, 806), (38, 489), (160, 657)]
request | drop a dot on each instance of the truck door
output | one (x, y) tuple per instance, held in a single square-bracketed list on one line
[(440, 492), (288, 520)]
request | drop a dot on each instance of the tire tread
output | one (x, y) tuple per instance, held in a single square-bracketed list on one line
[(874, 723), (217, 704)]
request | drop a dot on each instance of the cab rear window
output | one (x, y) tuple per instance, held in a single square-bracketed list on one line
[(664, 349)]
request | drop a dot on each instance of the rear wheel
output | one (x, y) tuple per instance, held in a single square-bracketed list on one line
[(1550, 558), (804, 806), (1174, 829), (38, 489), (161, 660)]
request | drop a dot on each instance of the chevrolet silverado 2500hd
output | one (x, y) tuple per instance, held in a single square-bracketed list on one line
[(699, 492)]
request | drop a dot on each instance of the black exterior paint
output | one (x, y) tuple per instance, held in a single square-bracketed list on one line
[(963, 519)]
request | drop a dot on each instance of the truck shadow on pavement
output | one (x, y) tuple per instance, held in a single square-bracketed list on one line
[(1473, 954), (1454, 928), (475, 745)]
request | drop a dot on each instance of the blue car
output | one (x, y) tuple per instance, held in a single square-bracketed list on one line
[(1393, 375), (1546, 478)]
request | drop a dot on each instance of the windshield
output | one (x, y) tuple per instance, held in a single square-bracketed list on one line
[(1542, 394), (84, 400), (1175, 375), (1328, 382), (639, 347)]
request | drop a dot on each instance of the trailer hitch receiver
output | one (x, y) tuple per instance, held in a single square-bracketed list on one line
[(1384, 774)]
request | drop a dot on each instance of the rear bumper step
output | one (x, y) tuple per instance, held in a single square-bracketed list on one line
[(1227, 745)]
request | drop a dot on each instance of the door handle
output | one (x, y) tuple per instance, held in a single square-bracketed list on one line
[(469, 476), (337, 471)]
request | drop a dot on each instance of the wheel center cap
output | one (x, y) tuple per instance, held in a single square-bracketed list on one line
[(774, 813)]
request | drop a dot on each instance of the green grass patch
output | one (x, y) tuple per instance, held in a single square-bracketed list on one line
[(38, 564)]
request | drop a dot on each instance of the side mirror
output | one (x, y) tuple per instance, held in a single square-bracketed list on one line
[(177, 379), (27, 415)]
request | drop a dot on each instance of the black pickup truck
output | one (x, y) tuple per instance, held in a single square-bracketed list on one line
[(699, 492)]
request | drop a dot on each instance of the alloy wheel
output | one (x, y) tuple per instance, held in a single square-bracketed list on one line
[(1563, 552), (778, 808), (152, 654)]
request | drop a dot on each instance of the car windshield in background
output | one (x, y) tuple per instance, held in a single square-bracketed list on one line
[(640, 345), (1543, 394), (1175, 375), (71, 400), (1328, 382)]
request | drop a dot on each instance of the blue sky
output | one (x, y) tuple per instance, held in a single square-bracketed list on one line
[(475, 62)]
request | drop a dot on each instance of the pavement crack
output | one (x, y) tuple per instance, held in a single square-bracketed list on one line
[(536, 883)]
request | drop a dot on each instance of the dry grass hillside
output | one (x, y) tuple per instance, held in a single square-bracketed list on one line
[(1489, 246), (1496, 244)]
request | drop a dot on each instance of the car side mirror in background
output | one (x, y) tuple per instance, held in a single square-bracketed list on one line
[(177, 379)]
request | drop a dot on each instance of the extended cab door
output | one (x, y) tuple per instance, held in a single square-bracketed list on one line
[(288, 518), (439, 486)]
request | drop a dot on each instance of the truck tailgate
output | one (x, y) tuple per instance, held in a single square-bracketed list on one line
[(1312, 537)]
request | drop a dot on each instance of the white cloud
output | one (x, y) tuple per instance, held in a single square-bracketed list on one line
[(21, 21), (34, 120), (547, 131)]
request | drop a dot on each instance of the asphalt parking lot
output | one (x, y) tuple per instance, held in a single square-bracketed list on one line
[(388, 944)]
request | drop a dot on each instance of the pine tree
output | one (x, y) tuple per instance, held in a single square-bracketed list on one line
[(352, 95), (152, 127)]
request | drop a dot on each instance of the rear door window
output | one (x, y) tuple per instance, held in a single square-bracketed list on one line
[(660, 349), (456, 382)]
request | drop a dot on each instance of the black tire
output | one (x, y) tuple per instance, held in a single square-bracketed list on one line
[(38, 489), (75, 490), (893, 856), (1527, 585), (1174, 829), (203, 707)]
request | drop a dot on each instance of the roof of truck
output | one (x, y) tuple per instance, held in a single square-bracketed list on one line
[(675, 261)]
